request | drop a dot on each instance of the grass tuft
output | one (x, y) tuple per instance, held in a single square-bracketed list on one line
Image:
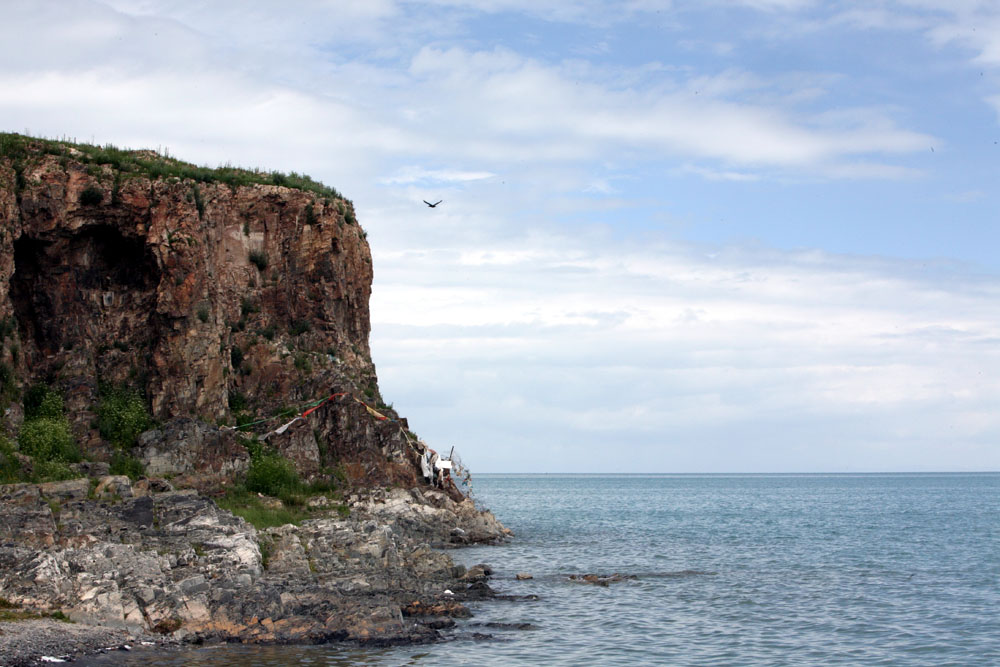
[(254, 511)]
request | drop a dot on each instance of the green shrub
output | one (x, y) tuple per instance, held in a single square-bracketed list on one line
[(248, 306), (236, 356), (299, 327), (42, 401), (268, 331), (203, 313), (302, 363), (10, 467), (8, 383), (238, 401), (13, 146), (59, 615), (20, 182), (273, 475), (124, 464), (52, 471), (259, 259), (48, 439), (91, 196), (116, 195), (311, 218), (8, 326), (199, 202), (122, 416), (243, 420)]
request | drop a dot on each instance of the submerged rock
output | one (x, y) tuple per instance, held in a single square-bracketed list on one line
[(601, 579)]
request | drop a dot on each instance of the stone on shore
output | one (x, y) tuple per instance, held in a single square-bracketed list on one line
[(173, 563)]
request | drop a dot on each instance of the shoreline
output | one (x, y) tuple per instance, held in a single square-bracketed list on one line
[(41, 641), (172, 568)]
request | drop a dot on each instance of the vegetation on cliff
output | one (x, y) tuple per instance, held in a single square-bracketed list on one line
[(150, 164), (45, 437)]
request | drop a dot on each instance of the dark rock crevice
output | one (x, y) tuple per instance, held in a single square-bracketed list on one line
[(80, 291)]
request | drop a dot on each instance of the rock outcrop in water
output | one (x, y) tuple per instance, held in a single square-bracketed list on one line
[(219, 297)]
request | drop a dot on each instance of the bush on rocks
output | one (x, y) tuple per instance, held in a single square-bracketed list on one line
[(42, 401), (52, 471), (10, 467), (45, 437), (48, 439), (272, 474), (122, 416), (124, 464)]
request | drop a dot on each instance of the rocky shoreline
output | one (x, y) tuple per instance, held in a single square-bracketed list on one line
[(43, 641), (132, 561)]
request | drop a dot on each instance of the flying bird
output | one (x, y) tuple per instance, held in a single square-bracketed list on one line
[(434, 204)]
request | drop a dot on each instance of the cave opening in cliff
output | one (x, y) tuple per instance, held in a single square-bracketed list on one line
[(69, 290)]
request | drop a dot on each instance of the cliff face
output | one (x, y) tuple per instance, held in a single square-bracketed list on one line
[(218, 302)]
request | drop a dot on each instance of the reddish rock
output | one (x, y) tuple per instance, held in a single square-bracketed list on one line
[(196, 293), (450, 609)]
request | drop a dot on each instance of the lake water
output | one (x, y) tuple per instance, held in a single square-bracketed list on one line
[(900, 569)]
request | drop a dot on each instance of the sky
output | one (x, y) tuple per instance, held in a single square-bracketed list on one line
[(676, 235)]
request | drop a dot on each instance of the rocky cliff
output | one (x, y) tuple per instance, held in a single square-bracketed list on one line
[(220, 304)]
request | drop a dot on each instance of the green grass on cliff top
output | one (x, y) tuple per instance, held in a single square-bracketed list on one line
[(19, 148)]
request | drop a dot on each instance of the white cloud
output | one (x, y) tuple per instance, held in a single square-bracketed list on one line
[(589, 339), (160, 70), (773, 5), (520, 103), (719, 175), (414, 174)]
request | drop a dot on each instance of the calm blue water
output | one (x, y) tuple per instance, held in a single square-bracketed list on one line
[(731, 569)]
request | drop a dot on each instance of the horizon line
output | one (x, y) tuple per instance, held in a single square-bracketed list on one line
[(830, 472)]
